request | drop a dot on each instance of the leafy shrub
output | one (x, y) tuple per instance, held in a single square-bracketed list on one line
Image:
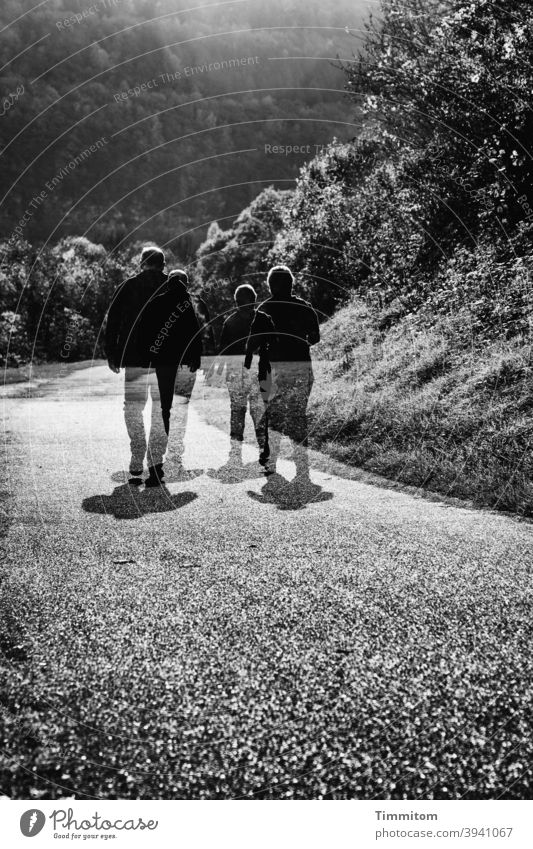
[(14, 345)]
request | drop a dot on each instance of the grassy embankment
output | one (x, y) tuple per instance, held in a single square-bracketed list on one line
[(426, 408)]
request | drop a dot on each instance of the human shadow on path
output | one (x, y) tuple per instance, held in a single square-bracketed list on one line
[(173, 474), (129, 502), (290, 495), (236, 472)]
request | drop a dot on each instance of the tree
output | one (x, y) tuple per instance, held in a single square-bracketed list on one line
[(240, 254)]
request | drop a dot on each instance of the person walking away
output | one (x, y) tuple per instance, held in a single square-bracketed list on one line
[(243, 390), (296, 328), (126, 347), (174, 335)]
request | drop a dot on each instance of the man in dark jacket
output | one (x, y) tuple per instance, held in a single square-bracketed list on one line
[(295, 328), (243, 389), (174, 338), (126, 347)]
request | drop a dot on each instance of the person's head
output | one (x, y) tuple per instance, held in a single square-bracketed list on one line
[(152, 258), (179, 275), (245, 295), (280, 280), (178, 280)]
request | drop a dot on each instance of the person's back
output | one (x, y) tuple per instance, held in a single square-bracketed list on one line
[(174, 339), (295, 323), (125, 340), (171, 327), (235, 331), (286, 326), (243, 390), (128, 347)]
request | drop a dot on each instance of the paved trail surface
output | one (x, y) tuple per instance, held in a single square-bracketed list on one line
[(228, 638)]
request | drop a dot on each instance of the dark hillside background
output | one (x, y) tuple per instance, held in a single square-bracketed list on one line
[(183, 132)]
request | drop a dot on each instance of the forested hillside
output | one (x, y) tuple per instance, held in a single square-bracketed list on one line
[(183, 102)]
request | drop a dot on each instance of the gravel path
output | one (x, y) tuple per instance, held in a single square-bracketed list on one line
[(224, 638)]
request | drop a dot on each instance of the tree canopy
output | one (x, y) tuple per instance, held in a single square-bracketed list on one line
[(183, 98)]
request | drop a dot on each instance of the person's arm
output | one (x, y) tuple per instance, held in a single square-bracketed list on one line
[(196, 344), (251, 343), (313, 332), (223, 344), (112, 328), (190, 325), (260, 337), (223, 341)]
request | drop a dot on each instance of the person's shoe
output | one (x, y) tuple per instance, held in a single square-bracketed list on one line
[(269, 467), (180, 473), (155, 476), (135, 478), (263, 457)]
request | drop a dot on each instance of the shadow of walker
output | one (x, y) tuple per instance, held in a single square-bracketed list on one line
[(128, 502), (236, 472), (174, 473), (290, 495)]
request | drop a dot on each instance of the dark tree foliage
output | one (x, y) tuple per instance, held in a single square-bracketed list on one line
[(182, 121), (240, 254), (430, 208), (53, 302)]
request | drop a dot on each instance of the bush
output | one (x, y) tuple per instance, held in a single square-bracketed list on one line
[(53, 301), (14, 344)]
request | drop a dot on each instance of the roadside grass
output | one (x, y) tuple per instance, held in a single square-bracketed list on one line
[(41, 371), (424, 407)]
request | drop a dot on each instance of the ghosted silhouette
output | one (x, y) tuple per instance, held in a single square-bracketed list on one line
[(153, 333), (175, 349), (126, 348), (128, 502), (243, 388), (290, 495), (283, 330), (236, 472), (176, 473)]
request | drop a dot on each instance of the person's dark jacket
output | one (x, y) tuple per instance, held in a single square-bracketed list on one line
[(125, 342), (262, 339), (235, 332), (296, 328), (171, 328)]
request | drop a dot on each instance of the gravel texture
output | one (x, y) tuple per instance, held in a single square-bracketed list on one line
[(225, 638)]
